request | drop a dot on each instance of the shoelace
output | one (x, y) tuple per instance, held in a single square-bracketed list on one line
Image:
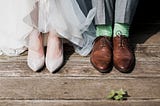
[(123, 41)]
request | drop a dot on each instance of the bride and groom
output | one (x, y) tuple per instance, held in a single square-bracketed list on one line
[(24, 21)]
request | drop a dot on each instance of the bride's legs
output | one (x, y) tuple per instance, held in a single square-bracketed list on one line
[(35, 51), (54, 55)]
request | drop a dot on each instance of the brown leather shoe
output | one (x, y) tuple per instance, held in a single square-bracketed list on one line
[(123, 57), (101, 55)]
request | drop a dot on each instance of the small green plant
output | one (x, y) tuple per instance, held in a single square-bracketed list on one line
[(118, 95)]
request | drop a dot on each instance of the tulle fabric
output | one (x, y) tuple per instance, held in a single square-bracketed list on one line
[(13, 30), (67, 19)]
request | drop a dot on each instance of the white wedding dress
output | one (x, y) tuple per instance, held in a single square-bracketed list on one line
[(67, 19), (19, 17), (13, 30)]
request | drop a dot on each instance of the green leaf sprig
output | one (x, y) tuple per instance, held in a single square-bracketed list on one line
[(118, 95)]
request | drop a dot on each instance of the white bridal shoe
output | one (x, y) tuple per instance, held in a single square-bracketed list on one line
[(36, 58), (36, 62), (54, 64), (54, 56)]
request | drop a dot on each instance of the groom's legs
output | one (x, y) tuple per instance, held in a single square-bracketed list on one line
[(122, 56), (104, 17), (101, 56), (124, 13), (104, 11), (124, 10)]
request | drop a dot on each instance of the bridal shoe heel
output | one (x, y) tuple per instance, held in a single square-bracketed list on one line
[(36, 62), (36, 58)]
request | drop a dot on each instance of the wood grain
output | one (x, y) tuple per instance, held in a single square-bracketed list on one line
[(147, 65), (79, 84), (76, 88), (78, 103)]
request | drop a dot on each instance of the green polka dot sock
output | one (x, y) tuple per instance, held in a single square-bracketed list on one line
[(121, 29), (104, 30)]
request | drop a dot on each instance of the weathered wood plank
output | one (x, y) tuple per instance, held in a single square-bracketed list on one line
[(142, 69), (79, 103), (76, 88), (147, 65), (69, 51)]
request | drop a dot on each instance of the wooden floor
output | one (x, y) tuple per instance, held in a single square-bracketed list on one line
[(79, 84)]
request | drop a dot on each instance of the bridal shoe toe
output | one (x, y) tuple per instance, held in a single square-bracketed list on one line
[(35, 62), (54, 64)]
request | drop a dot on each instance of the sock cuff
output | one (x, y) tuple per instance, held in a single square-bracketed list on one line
[(104, 30), (121, 29)]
